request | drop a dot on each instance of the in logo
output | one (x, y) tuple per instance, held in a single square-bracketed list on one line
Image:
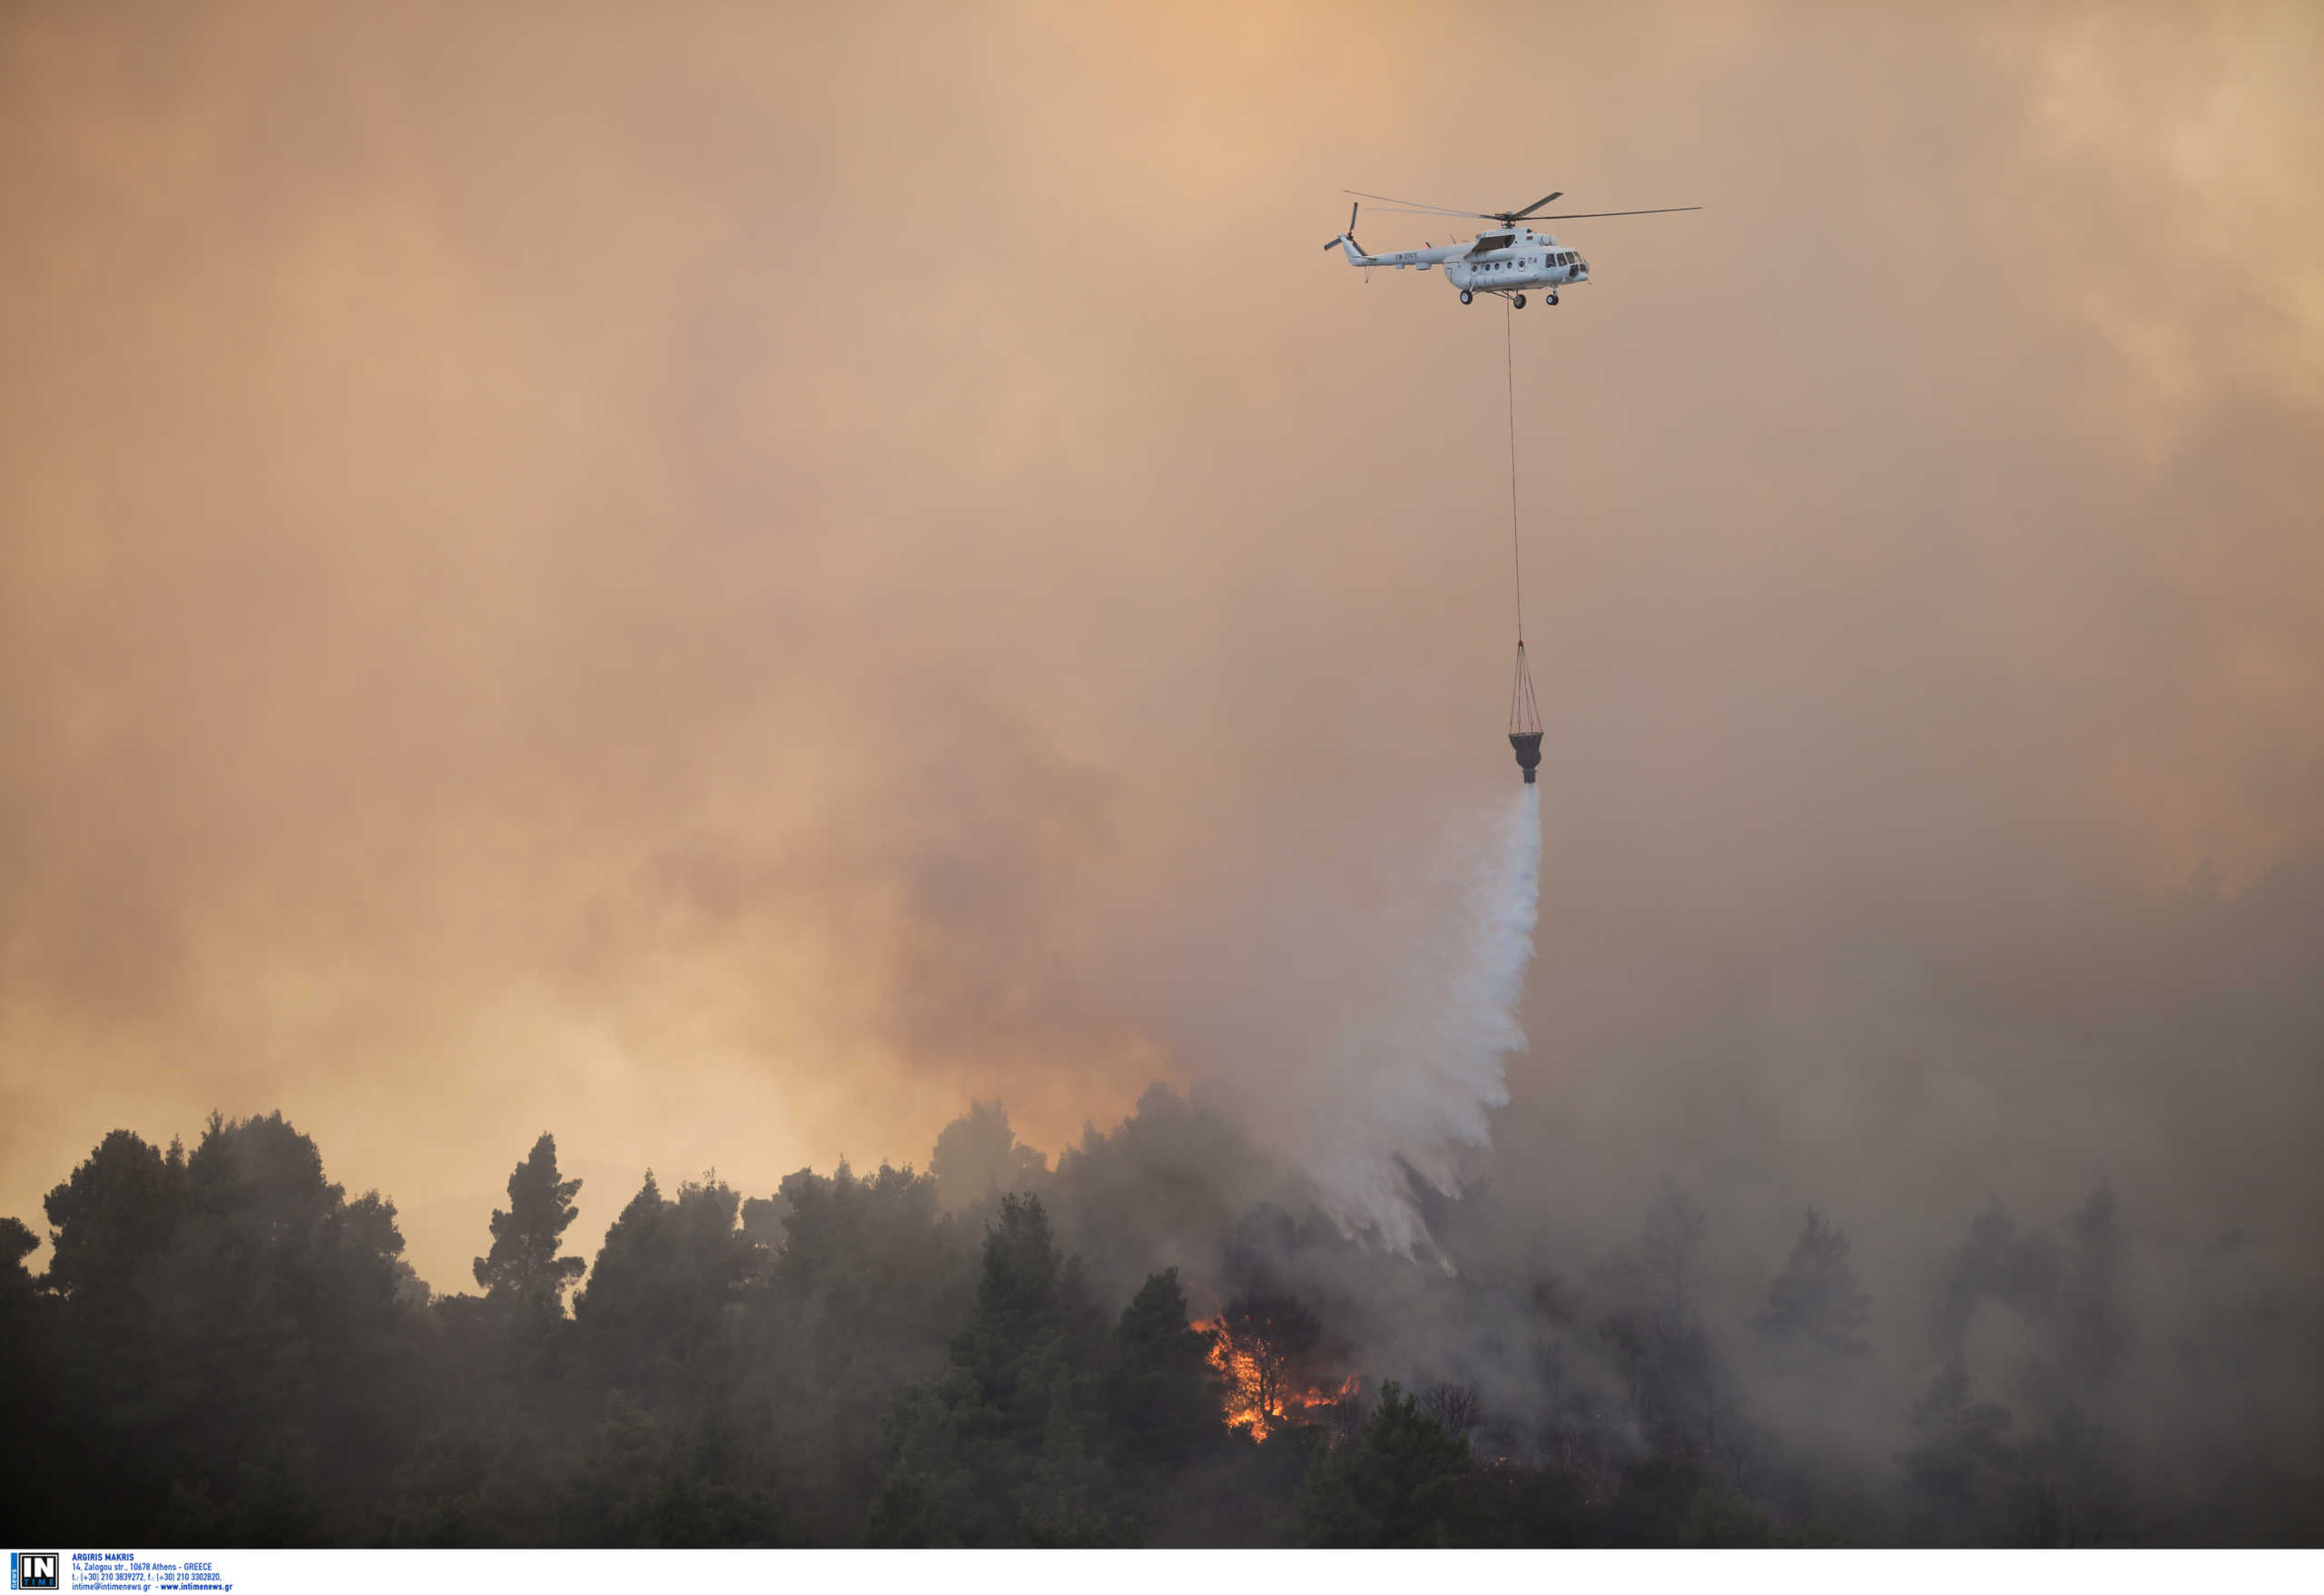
[(33, 1569)]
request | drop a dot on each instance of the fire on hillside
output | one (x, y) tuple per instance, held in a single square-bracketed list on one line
[(1264, 1392)]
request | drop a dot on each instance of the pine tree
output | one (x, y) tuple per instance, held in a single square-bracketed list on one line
[(1815, 1301), (1399, 1484), (978, 1158), (996, 1452), (523, 1266), (1164, 1394)]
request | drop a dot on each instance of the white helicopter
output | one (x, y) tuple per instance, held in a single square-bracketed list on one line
[(1506, 262)]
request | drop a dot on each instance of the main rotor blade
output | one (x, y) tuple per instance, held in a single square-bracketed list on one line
[(1537, 204), (1419, 205), (1592, 215), (1440, 215)]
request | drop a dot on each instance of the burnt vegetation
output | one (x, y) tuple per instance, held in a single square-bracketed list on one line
[(1156, 1342)]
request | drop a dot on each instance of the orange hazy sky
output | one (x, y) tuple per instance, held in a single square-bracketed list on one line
[(718, 579)]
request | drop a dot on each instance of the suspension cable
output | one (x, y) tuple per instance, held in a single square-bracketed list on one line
[(1508, 366)]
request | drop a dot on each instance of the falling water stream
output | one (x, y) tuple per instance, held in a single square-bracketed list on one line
[(1421, 1060)]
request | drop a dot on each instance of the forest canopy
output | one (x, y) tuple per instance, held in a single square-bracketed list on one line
[(1157, 1341)]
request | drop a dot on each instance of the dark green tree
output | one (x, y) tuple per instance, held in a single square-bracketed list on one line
[(1401, 1483), (996, 1452), (523, 1267), (1963, 1467), (978, 1157), (17, 1242), (36, 1468), (1066, 1500), (114, 1219), (859, 1302), (1126, 1202), (1816, 1303), (1998, 1262), (1032, 1313), (1164, 1397), (655, 1311), (669, 1477), (237, 1331)]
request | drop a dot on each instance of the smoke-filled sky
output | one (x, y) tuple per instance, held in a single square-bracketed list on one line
[(720, 579)]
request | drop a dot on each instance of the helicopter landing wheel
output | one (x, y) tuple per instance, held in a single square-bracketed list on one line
[(1518, 303), (1554, 298), (1466, 296)]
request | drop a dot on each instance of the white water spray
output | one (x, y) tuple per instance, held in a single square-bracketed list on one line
[(1414, 1064)]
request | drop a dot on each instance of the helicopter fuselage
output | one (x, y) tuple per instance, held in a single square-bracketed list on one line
[(1491, 262)]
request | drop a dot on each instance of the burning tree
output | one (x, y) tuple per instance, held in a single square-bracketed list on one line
[(1260, 1339)]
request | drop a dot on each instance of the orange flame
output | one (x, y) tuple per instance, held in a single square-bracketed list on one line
[(1248, 1404)]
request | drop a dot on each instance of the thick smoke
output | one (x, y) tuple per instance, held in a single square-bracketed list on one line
[(494, 636)]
